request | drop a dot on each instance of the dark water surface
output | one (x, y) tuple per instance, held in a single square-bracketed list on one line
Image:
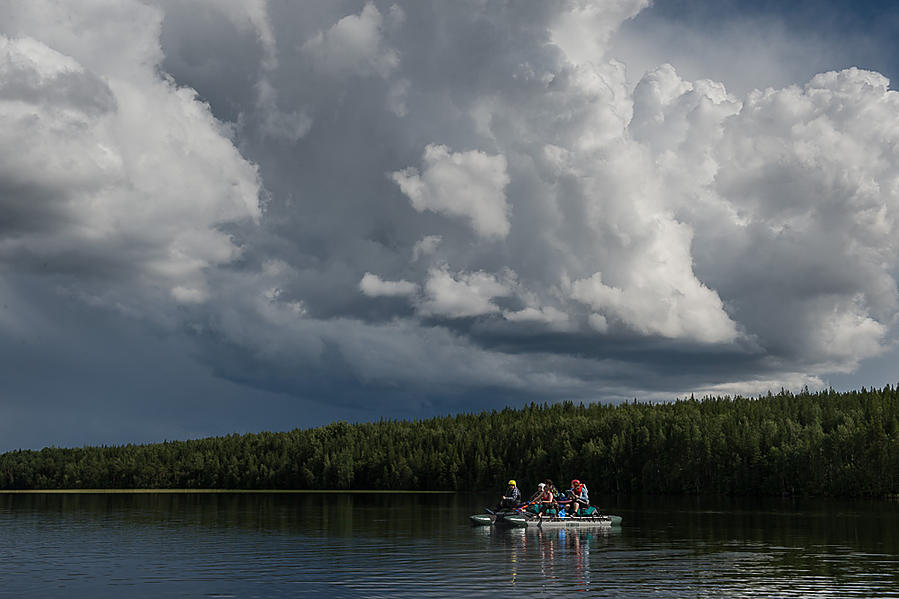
[(375, 545)]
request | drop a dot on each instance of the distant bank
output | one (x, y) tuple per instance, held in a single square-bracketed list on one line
[(809, 444), (212, 491)]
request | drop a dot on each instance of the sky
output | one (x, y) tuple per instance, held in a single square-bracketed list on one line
[(229, 216)]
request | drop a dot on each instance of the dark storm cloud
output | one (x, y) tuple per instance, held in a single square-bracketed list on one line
[(505, 91), (417, 208)]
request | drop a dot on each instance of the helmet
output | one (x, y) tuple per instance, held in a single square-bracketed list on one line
[(512, 482), (575, 483), (541, 485)]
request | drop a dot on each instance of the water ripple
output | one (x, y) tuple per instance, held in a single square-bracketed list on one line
[(267, 546)]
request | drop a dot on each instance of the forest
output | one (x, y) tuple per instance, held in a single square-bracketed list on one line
[(826, 443)]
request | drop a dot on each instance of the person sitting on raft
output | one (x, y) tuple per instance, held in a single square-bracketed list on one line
[(536, 496), (511, 498), (545, 499), (579, 497), (549, 484)]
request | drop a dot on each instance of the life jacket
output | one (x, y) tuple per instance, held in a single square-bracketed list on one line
[(581, 493)]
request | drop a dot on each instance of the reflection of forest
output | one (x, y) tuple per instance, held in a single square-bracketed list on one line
[(808, 537), (327, 515), (770, 520), (821, 444)]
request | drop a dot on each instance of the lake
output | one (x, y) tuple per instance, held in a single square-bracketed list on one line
[(409, 545)]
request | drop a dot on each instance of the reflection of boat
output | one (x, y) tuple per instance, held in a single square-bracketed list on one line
[(524, 518)]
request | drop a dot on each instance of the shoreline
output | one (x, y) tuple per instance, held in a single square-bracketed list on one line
[(213, 491)]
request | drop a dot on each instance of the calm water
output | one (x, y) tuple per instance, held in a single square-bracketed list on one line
[(265, 545)]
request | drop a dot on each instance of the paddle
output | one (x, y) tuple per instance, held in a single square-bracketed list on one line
[(521, 508)]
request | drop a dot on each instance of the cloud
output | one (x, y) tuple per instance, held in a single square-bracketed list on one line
[(354, 45), (245, 15), (434, 204), (464, 184), (808, 175), (426, 246), (659, 307), (373, 286), (543, 315), (112, 170), (582, 28), (461, 295), (276, 123)]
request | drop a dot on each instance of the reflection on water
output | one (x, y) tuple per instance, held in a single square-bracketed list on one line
[(376, 545), (561, 557), (558, 558)]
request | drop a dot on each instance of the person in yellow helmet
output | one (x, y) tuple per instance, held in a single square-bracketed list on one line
[(511, 498)]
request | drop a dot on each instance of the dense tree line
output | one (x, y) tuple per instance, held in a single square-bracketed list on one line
[(825, 443)]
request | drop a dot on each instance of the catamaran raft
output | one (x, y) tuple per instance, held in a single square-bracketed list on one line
[(526, 518), (546, 508)]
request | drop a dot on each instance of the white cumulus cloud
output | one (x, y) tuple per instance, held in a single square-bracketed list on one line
[(106, 165), (374, 286), (460, 295), (469, 185)]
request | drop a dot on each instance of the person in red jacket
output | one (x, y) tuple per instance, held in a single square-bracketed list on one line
[(580, 499)]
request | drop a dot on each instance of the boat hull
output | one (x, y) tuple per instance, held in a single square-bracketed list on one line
[(498, 518), (575, 522), (531, 520), (482, 519)]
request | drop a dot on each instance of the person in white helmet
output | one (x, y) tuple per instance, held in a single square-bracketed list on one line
[(545, 499)]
